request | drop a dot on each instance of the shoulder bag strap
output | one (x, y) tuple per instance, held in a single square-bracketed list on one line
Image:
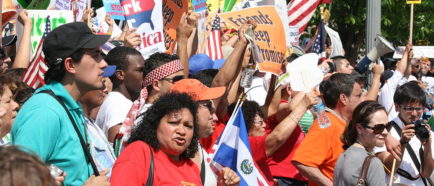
[(83, 144), (364, 172), (410, 152), (150, 180), (202, 168)]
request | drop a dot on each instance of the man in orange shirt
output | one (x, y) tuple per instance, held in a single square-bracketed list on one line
[(315, 158)]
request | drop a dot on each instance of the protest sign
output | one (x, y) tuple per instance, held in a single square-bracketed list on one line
[(8, 11), (57, 17), (114, 9), (146, 16), (418, 51), (214, 5), (293, 35), (269, 34), (172, 13), (77, 7), (337, 49), (22, 3), (100, 16), (199, 5)]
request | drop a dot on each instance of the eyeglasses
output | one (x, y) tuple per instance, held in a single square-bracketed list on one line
[(410, 109), (379, 128), (174, 79)]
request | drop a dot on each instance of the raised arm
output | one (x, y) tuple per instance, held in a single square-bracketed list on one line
[(183, 32), (22, 59), (285, 128)]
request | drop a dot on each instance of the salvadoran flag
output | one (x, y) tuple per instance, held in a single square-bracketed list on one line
[(232, 150)]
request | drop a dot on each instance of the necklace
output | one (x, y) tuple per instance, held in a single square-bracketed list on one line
[(357, 143)]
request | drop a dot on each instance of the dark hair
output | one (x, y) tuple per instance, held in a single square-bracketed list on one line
[(57, 72), (156, 60), (409, 92), (22, 94), (118, 57), (146, 130), (206, 76), (336, 85), (20, 168), (361, 115), (16, 75), (250, 109), (6, 81), (338, 60)]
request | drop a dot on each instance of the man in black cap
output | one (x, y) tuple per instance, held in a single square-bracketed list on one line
[(51, 122)]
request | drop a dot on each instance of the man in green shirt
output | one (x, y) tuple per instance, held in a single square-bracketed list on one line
[(75, 66)]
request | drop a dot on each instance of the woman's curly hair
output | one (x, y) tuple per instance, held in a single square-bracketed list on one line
[(146, 130)]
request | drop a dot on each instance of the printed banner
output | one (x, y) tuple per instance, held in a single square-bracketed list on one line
[(57, 17), (77, 7), (269, 34), (199, 5), (146, 16), (414, 1), (172, 13), (214, 5), (114, 9)]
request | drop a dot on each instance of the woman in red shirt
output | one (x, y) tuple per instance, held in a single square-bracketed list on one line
[(160, 147)]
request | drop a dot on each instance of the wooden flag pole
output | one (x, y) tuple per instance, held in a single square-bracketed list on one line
[(392, 172), (410, 40)]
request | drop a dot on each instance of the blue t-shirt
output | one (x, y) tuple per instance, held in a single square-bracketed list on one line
[(43, 126)]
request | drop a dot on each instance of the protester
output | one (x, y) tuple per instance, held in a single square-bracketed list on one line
[(160, 148), (101, 150), (367, 129), (342, 65), (413, 169), (75, 66), (315, 158), (127, 83), (8, 109)]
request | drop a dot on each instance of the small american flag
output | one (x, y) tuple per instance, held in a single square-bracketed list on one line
[(214, 44), (34, 75), (301, 11), (319, 44)]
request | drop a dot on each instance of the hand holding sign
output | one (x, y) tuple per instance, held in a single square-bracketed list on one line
[(24, 18)]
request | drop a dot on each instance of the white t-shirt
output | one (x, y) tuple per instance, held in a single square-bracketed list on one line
[(407, 163), (113, 111), (387, 91)]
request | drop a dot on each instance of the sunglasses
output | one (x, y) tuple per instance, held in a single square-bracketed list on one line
[(379, 128), (174, 79)]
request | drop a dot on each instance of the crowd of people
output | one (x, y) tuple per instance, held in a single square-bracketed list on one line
[(117, 118)]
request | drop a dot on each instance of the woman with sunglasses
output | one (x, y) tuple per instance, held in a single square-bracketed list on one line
[(368, 129)]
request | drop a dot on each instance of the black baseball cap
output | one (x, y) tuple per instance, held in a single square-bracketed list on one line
[(67, 39)]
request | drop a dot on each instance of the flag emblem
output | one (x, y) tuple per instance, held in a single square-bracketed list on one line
[(246, 166)]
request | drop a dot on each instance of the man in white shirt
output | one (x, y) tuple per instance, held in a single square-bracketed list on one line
[(409, 102), (127, 83)]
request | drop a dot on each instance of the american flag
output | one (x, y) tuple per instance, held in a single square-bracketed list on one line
[(319, 44), (214, 45), (34, 75), (300, 12)]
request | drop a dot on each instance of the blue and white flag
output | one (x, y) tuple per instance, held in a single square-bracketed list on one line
[(232, 150)]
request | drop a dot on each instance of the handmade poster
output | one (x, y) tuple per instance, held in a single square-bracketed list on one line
[(172, 13), (418, 51), (114, 9), (146, 16), (198, 5), (100, 17), (57, 17), (77, 7), (269, 34)]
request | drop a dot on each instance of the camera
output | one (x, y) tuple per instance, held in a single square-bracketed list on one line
[(421, 132)]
